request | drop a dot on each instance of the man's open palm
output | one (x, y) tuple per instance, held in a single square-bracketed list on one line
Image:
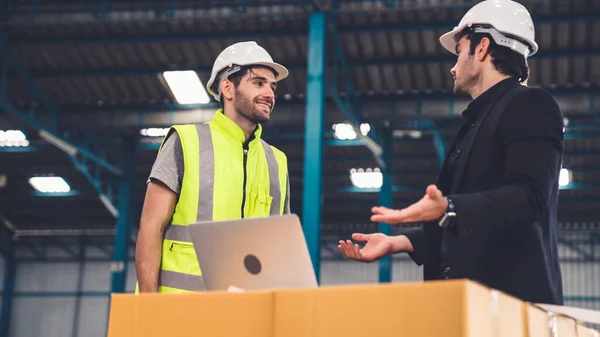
[(431, 207), (378, 245)]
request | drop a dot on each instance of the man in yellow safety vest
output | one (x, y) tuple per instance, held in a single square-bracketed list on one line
[(218, 170)]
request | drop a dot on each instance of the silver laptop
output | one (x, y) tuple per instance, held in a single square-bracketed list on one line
[(253, 254)]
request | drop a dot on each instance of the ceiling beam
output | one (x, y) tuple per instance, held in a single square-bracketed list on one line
[(20, 194), (270, 33), (44, 74), (397, 108)]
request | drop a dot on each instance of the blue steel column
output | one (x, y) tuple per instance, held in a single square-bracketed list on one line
[(313, 146), (385, 198), (121, 252), (10, 273), (440, 146)]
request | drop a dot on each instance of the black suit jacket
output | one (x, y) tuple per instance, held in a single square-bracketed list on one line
[(505, 190)]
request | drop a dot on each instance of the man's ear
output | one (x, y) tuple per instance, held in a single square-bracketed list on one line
[(483, 49), (226, 89)]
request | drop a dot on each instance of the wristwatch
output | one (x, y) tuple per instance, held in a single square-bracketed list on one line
[(447, 220)]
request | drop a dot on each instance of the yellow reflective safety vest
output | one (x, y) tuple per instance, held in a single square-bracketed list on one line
[(224, 178)]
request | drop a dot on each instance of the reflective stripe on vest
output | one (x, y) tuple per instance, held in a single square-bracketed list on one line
[(172, 273), (274, 186), (177, 280)]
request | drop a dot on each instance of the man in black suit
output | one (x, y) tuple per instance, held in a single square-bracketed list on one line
[(492, 215)]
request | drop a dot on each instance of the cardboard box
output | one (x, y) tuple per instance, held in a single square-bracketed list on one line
[(542, 322), (536, 320), (430, 309), (576, 313), (186, 315), (448, 308), (567, 326), (584, 331)]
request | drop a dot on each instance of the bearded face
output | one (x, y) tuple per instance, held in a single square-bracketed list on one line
[(254, 97), (466, 71)]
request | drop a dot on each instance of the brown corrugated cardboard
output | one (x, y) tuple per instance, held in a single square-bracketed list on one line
[(580, 314), (536, 321), (541, 322), (443, 308), (567, 326), (201, 314), (449, 308), (584, 331)]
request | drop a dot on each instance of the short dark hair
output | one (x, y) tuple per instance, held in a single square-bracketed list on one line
[(236, 77), (506, 60)]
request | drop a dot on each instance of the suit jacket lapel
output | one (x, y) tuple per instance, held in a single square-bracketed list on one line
[(444, 164)]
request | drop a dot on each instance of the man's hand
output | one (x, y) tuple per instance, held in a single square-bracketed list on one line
[(378, 245), (431, 207)]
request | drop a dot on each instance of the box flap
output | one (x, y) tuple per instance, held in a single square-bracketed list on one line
[(434, 308), (584, 331), (580, 314), (196, 314)]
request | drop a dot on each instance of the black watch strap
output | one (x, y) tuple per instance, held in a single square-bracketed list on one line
[(450, 206)]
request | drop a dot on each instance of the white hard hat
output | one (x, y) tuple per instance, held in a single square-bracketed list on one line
[(242, 54), (508, 20)]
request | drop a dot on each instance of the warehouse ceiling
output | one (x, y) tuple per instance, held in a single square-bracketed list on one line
[(92, 72)]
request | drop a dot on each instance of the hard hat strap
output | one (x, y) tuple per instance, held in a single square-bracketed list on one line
[(229, 71), (225, 73), (504, 40)]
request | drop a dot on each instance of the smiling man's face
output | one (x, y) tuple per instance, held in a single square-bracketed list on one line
[(254, 97)]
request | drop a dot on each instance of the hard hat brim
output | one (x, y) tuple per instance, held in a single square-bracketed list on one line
[(281, 71), (448, 41)]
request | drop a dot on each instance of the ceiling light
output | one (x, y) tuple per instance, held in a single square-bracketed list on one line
[(186, 87), (154, 132), (369, 178), (346, 131), (13, 138), (50, 184)]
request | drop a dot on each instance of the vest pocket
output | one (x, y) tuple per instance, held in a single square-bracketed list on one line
[(260, 201), (181, 257)]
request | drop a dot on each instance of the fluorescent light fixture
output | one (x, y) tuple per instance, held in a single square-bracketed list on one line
[(369, 178), (109, 206), (565, 177), (186, 87), (346, 131), (50, 184), (61, 144), (365, 128), (414, 134), (154, 132), (12, 138)]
